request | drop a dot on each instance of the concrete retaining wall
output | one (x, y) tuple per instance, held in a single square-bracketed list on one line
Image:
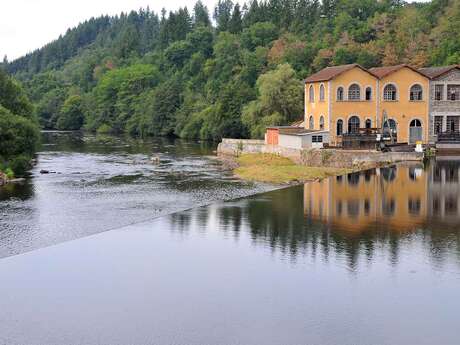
[(318, 157)]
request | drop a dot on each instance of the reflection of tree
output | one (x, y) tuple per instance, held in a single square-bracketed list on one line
[(22, 191), (277, 218), (230, 218), (181, 221)]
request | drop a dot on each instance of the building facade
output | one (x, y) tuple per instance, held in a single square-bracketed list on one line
[(444, 100), (418, 104)]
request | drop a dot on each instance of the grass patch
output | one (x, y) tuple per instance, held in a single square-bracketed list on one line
[(275, 169)]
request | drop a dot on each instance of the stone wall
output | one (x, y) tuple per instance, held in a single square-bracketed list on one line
[(318, 157)]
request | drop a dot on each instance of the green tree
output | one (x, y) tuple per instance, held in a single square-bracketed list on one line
[(71, 114), (280, 101)]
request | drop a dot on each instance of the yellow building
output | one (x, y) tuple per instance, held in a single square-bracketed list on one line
[(343, 99)]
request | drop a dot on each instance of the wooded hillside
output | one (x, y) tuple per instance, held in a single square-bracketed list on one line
[(191, 74)]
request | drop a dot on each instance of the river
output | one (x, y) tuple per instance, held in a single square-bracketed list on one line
[(368, 258), (98, 183)]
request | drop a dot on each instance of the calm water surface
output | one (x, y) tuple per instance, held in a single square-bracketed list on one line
[(102, 183), (368, 258)]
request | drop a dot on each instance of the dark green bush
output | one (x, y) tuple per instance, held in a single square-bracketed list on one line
[(20, 165)]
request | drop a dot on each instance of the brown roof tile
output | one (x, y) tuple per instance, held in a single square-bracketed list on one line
[(435, 72), (381, 72), (329, 73)]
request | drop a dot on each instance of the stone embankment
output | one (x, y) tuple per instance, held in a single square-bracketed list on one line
[(332, 158)]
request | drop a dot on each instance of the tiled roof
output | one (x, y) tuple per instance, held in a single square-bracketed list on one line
[(329, 73), (434, 72), (384, 71), (381, 72)]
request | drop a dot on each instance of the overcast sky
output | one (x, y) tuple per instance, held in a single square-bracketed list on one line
[(26, 25)]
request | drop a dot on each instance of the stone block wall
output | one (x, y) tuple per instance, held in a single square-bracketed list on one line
[(318, 157)]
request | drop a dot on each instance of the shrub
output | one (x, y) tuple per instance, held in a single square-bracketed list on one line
[(104, 129), (9, 173), (20, 165)]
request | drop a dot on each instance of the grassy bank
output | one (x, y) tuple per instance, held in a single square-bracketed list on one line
[(276, 169)]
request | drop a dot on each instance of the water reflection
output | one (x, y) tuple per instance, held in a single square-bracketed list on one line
[(358, 215)]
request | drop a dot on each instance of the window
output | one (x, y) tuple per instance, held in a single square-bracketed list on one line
[(354, 92), (340, 94), (389, 93), (321, 122), (415, 123), (416, 93), (311, 124), (390, 125), (339, 127), (311, 94), (353, 124), (368, 123), (438, 124), (439, 92), (368, 93), (453, 92), (321, 92), (317, 139)]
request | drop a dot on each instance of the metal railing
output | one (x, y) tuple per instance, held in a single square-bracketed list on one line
[(450, 136)]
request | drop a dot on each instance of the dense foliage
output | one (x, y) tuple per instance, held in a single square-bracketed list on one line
[(187, 75), (18, 128)]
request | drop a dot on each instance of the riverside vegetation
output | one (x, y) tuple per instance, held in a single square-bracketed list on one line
[(183, 74), (18, 129)]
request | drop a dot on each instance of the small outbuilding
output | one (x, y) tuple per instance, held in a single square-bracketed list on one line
[(296, 137)]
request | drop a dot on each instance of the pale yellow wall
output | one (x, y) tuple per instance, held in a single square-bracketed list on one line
[(317, 108), (403, 111), (362, 108)]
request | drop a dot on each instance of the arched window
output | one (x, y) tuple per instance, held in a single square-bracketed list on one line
[(339, 127), (416, 93), (311, 123), (390, 93), (390, 124), (353, 124), (416, 123), (354, 92), (321, 122), (311, 94), (321, 92), (340, 94), (368, 123), (368, 93)]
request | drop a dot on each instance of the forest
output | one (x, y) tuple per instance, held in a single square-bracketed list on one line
[(225, 72)]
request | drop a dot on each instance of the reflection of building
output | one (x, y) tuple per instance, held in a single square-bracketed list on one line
[(396, 196), (444, 189)]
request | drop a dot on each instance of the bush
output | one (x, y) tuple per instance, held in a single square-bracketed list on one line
[(20, 165), (104, 129), (18, 135), (9, 173)]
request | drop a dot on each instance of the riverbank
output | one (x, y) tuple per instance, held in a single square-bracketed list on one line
[(271, 168), (323, 158)]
